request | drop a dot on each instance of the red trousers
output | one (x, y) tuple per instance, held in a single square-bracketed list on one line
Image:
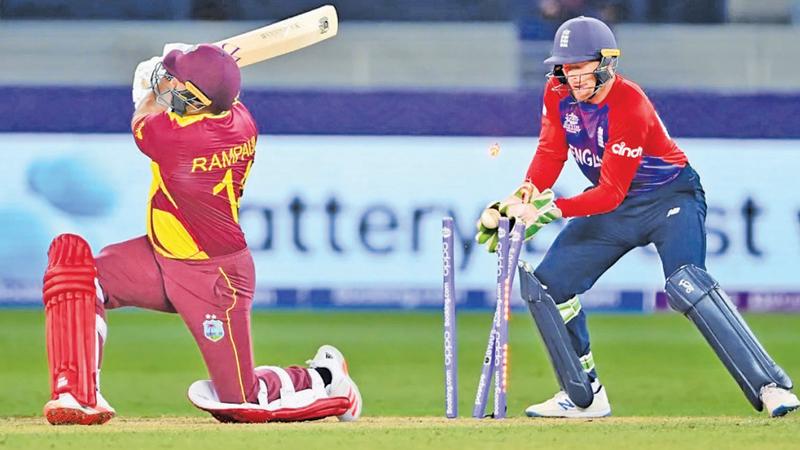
[(214, 297)]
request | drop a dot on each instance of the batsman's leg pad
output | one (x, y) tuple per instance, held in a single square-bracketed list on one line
[(695, 294), (70, 299), (569, 370), (291, 406)]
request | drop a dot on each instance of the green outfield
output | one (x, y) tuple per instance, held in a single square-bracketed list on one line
[(666, 387)]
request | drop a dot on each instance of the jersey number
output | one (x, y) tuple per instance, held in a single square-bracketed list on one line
[(234, 195)]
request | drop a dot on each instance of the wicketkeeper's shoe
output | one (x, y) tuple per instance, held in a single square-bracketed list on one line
[(329, 357), (778, 401), (65, 410), (561, 406)]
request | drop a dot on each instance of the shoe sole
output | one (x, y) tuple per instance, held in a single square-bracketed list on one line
[(783, 410), (587, 416), (354, 412), (71, 416)]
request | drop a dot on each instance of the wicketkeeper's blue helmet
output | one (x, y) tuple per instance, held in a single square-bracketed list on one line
[(582, 39)]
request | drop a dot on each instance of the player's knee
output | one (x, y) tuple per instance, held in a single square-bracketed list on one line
[(105, 256), (687, 286), (70, 266), (69, 249), (107, 262), (551, 285), (104, 263)]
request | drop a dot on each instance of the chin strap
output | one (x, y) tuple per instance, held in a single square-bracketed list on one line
[(177, 106)]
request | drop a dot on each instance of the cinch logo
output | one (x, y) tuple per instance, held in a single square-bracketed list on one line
[(564, 43), (622, 150), (585, 157)]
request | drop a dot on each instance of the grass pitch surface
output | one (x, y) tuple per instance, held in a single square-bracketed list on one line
[(666, 387), (406, 433)]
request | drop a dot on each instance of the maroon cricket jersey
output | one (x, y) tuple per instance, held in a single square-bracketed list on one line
[(200, 164)]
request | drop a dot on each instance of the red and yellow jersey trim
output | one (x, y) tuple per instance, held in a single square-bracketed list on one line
[(230, 332), (165, 231), (185, 121)]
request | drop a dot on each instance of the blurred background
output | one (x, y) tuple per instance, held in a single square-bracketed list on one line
[(369, 139)]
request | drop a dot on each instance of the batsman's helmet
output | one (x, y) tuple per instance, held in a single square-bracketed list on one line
[(210, 74)]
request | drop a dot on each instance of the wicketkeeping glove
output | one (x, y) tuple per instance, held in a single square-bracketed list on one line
[(487, 226), (535, 213), (490, 217), (546, 212)]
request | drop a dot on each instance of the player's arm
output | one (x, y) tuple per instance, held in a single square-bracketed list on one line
[(147, 106), (551, 153), (527, 203), (148, 117), (621, 158)]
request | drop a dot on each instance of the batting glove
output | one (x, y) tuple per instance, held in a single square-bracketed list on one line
[(176, 46), (141, 80)]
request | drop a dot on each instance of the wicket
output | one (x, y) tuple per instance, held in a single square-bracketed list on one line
[(495, 359), (450, 336)]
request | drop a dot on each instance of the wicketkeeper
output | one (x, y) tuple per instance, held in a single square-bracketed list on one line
[(194, 260), (643, 192)]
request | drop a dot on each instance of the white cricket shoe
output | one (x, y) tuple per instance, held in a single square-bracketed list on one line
[(65, 410), (561, 406), (778, 401), (329, 357)]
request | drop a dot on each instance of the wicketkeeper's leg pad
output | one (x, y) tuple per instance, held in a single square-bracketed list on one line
[(70, 301), (568, 368), (291, 406), (694, 293)]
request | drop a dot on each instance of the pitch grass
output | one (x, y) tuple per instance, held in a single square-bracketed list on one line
[(408, 433), (666, 387)]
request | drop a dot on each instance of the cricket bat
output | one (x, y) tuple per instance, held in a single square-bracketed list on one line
[(282, 37)]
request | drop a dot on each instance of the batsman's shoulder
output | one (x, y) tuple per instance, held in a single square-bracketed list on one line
[(241, 110), (146, 121)]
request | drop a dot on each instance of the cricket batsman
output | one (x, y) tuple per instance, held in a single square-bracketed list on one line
[(643, 191), (194, 260)]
